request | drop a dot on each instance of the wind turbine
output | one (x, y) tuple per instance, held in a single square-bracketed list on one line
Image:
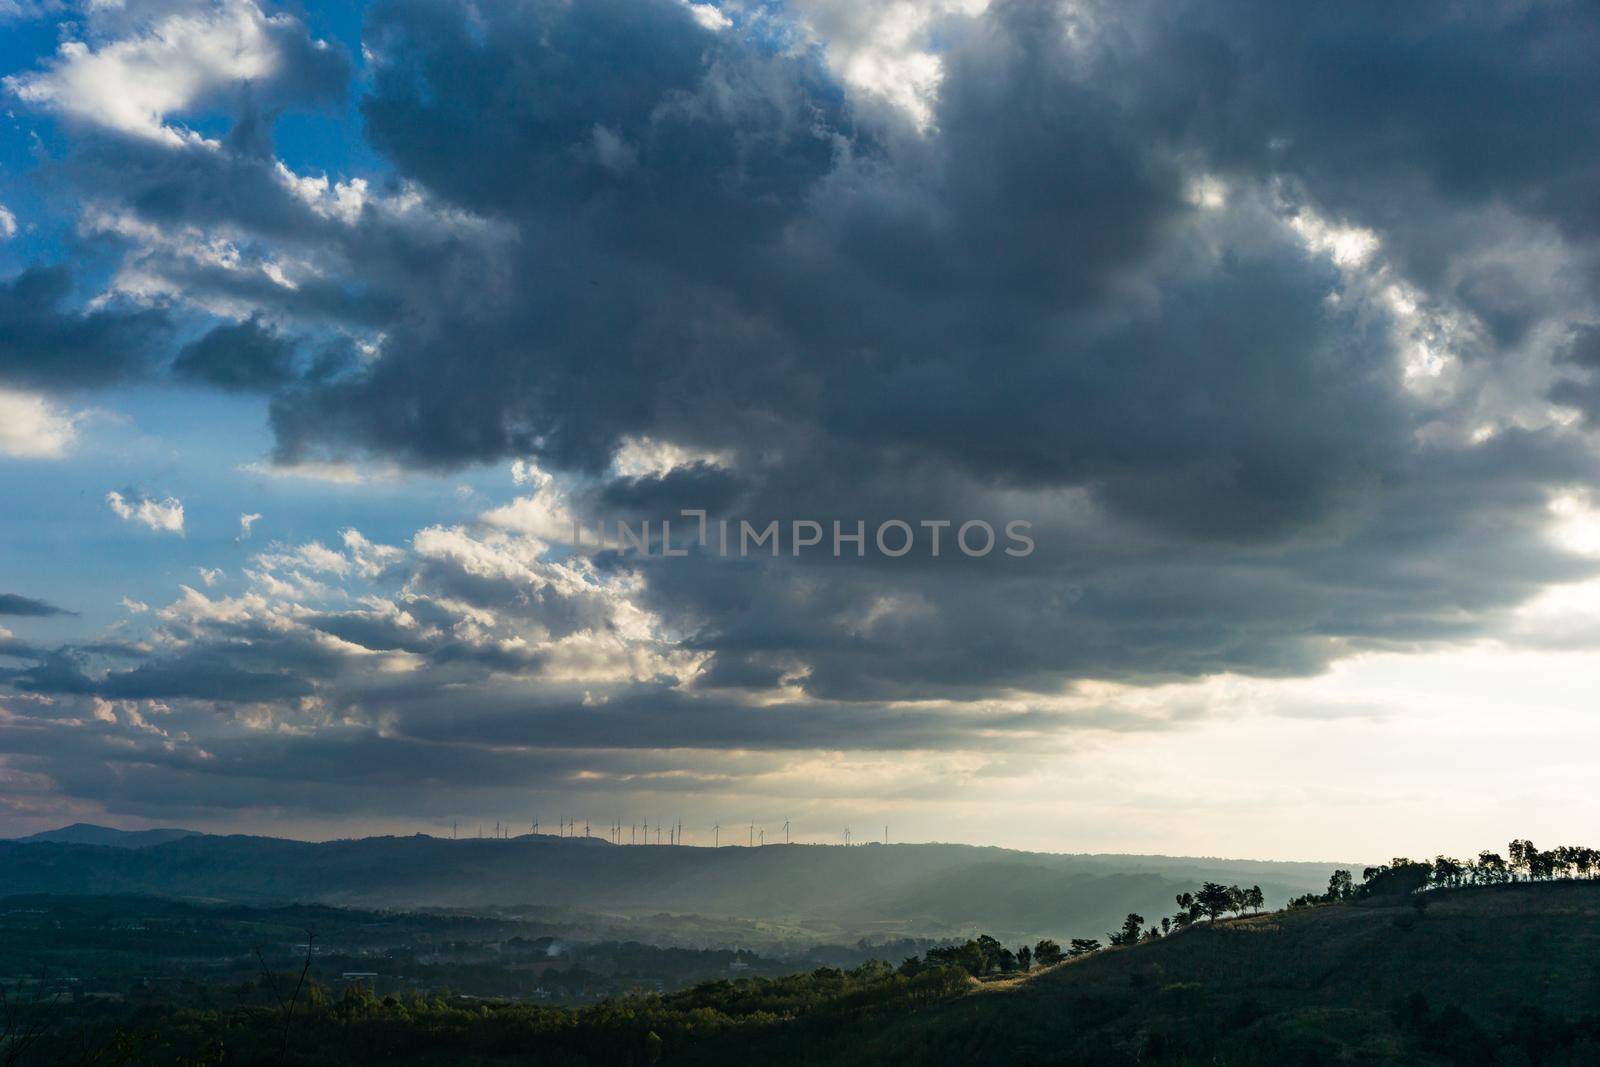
[(752, 833), (763, 837), (847, 837), (716, 839), (786, 831)]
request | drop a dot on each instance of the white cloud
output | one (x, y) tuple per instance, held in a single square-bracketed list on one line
[(370, 558), (33, 428), (8, 223), (708, 16), (645, 457), (543, 515), (210, 575), (135, 607), (332, 472), (132, 85), (886, 50), (165, 515), (26, 10), (246, 521), (365, 558), (1347, 246), (312, 556)]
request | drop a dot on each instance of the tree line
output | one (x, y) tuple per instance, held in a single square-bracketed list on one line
[(1401, 876), (985, 955), (1523, 862)]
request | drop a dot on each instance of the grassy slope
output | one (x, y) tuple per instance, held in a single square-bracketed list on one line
[(1332, 984)]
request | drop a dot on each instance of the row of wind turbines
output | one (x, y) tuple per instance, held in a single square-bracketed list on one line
[(639, 833)]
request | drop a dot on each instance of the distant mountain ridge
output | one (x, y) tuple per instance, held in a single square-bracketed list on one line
[(84, 833), (921, 889)]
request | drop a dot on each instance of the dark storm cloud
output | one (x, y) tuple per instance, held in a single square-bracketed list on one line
[(1004, 300), (643, 158), (1384, 107), (44, 341), (14, 604), (208, 673), (1582, 393), (202, 677), (238, 357)]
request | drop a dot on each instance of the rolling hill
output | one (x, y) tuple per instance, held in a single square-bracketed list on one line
[(927, 889), (83, 833), (1493, 975)]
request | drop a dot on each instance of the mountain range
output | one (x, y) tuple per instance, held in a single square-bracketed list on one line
[(824, 891)]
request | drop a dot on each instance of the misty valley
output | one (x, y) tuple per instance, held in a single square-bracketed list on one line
[(261, 950)]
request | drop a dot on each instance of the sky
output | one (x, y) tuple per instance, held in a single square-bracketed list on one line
[(1214, 388)]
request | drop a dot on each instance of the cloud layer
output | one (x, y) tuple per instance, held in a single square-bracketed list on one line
[(1279, 328)]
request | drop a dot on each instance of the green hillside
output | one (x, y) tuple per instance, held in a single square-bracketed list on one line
[(1506, 974), (1503, 974)]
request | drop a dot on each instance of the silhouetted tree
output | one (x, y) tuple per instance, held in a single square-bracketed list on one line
[(1521, 853), (1214, 900), (1491, 868), (1024, 957), (1447, 872), (1047, 953), (1129, 934), (1082, 946), (1400, 877)]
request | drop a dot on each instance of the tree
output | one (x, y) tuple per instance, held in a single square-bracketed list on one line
[(1047, 953), (1254, 899), (994, 954), (1166, 925), (1214, 900), (1082, 946), (1492, 868), (1188, 909), (1521, 853), (1340, 886), (1236, 901), (1401, 877), (1024, 958), (1129, 934)]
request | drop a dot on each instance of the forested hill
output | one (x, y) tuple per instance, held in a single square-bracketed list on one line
[(82, 833), (928, 888), (1498, 974)]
